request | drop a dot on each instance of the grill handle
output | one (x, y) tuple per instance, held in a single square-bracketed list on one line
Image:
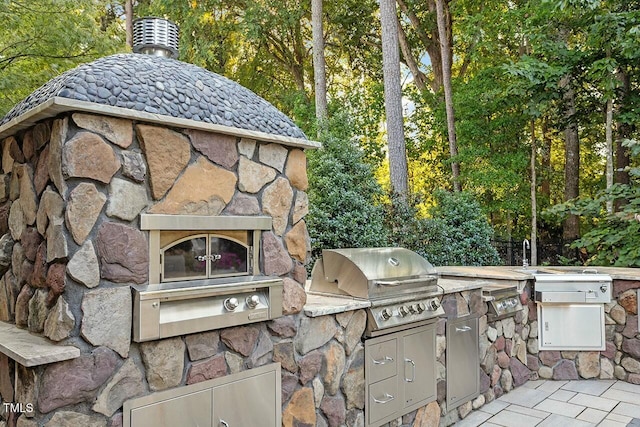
[(399, 282)]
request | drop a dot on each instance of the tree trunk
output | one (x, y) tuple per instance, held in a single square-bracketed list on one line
[(624, 131), (545, 161), (571, 226), (393, 98), (319, 67), (534, 204), (419, 78), (431, 42), (609, 142), (448, 93), (128, 22)]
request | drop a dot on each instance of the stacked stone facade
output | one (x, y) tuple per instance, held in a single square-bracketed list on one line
[(71, 193)]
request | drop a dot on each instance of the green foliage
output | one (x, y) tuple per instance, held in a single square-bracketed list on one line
[(612, 238), (343, 212), (457, 233), (44, 38)]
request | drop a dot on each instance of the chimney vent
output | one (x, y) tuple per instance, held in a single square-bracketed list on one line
[(155, 36)]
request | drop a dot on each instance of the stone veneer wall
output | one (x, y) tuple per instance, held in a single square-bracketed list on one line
[(71, 192)]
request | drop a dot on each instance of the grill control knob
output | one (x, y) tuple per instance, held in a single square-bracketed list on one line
[(434, 304), (386, 314), (413, 308), (403, 310), (421, 307), (252, 301), (231, 304)]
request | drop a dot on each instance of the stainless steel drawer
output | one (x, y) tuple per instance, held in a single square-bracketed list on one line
[(383, 399), (382, 360)]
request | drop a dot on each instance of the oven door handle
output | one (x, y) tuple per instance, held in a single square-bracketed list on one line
[(413, 371), (387, 359), (386, 396)]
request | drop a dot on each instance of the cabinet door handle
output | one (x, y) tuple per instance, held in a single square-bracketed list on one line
[(387, 398), (413, 371), (223, 423), (387, 359), (463, 329)]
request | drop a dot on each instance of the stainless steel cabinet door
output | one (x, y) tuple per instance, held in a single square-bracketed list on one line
[(462, 361), (189, 410), (419, 366), (246, 403), (571, 327)]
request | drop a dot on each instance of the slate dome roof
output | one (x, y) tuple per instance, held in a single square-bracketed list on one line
[(160, 85)]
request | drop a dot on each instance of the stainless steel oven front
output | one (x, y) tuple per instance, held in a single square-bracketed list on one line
[(204, 274)]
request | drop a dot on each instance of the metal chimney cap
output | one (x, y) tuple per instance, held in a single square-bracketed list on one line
[(155, 36)]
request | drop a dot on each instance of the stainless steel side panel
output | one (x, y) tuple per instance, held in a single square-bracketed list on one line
[(462, 361), (571, 327)]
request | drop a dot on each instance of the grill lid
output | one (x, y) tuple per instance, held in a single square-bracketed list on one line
[(372, 272)]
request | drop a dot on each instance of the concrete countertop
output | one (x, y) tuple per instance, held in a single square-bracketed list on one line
[(518, 273), (32, 350)]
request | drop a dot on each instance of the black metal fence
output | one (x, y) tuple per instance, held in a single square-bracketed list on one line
[(549, 253)]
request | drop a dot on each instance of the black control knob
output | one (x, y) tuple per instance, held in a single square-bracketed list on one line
[(435, 304), (403, 310), (421, 307), (386, 314)]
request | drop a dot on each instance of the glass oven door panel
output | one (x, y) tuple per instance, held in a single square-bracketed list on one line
[(185, 259), (228, 257)]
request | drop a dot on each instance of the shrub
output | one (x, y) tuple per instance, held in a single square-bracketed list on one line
[(343, 212), (456, 233)]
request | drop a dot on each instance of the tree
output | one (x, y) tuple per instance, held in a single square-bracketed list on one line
[(45, 38), (448, 95), (393, 98), (319, 67)]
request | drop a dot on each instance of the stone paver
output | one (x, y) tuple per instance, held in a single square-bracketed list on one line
[(560, 408), (563, 395), (593, 402), (525, 397)]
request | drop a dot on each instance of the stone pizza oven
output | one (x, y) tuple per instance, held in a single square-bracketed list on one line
[(83, 159)]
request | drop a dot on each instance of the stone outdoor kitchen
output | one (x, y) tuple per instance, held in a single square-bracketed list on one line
[(98, 159)]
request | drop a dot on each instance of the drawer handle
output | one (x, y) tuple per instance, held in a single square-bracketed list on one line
[(413, 371), (223, 423), (387, 359), (463, 329), (388, 398)]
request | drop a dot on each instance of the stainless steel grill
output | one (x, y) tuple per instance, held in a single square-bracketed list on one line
[(400, 284)]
